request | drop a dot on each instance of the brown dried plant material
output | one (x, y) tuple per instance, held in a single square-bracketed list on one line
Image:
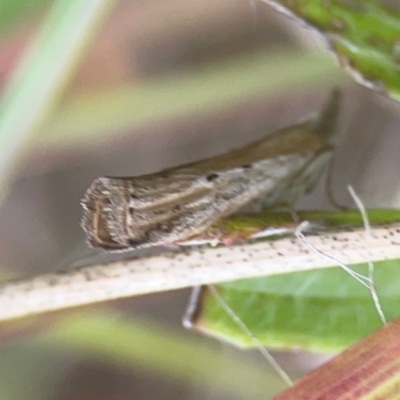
[(369, 369)]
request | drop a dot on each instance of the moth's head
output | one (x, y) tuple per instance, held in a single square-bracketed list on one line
[(104, 216)]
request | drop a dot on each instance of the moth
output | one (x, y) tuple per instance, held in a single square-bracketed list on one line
[(179, 203)]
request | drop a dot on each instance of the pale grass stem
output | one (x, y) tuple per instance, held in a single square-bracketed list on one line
[(300, 235), (178, 268)]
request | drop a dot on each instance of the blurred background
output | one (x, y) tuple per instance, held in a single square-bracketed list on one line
[(160, 83)]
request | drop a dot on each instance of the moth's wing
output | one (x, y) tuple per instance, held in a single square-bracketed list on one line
[(179, 203), (108, 205), (143, 211), (287, 192), (97, 209)]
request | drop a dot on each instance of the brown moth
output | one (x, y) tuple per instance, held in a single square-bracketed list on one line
[(179, 203)]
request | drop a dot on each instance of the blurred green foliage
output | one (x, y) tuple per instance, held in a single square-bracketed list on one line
[(320, 310), (364, 34), (12, 11)]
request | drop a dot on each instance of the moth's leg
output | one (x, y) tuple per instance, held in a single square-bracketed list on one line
[(291, 209), (284, 207), (328, 187), (293, 214)]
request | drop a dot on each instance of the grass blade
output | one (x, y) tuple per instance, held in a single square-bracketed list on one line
[(42, 74)]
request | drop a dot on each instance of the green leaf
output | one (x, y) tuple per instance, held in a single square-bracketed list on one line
[(197, 91), (321, 310), (151, 347), (364, 34), (12, 10)]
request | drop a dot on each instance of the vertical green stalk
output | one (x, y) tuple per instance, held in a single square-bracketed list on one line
[(42, 74)]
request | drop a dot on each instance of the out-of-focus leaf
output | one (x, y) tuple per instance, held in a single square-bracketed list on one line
[(364, 34), (370, 369), (322, 310), (11, 10), (145, 345), (36, 366), (192, 92), (42, 73)]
